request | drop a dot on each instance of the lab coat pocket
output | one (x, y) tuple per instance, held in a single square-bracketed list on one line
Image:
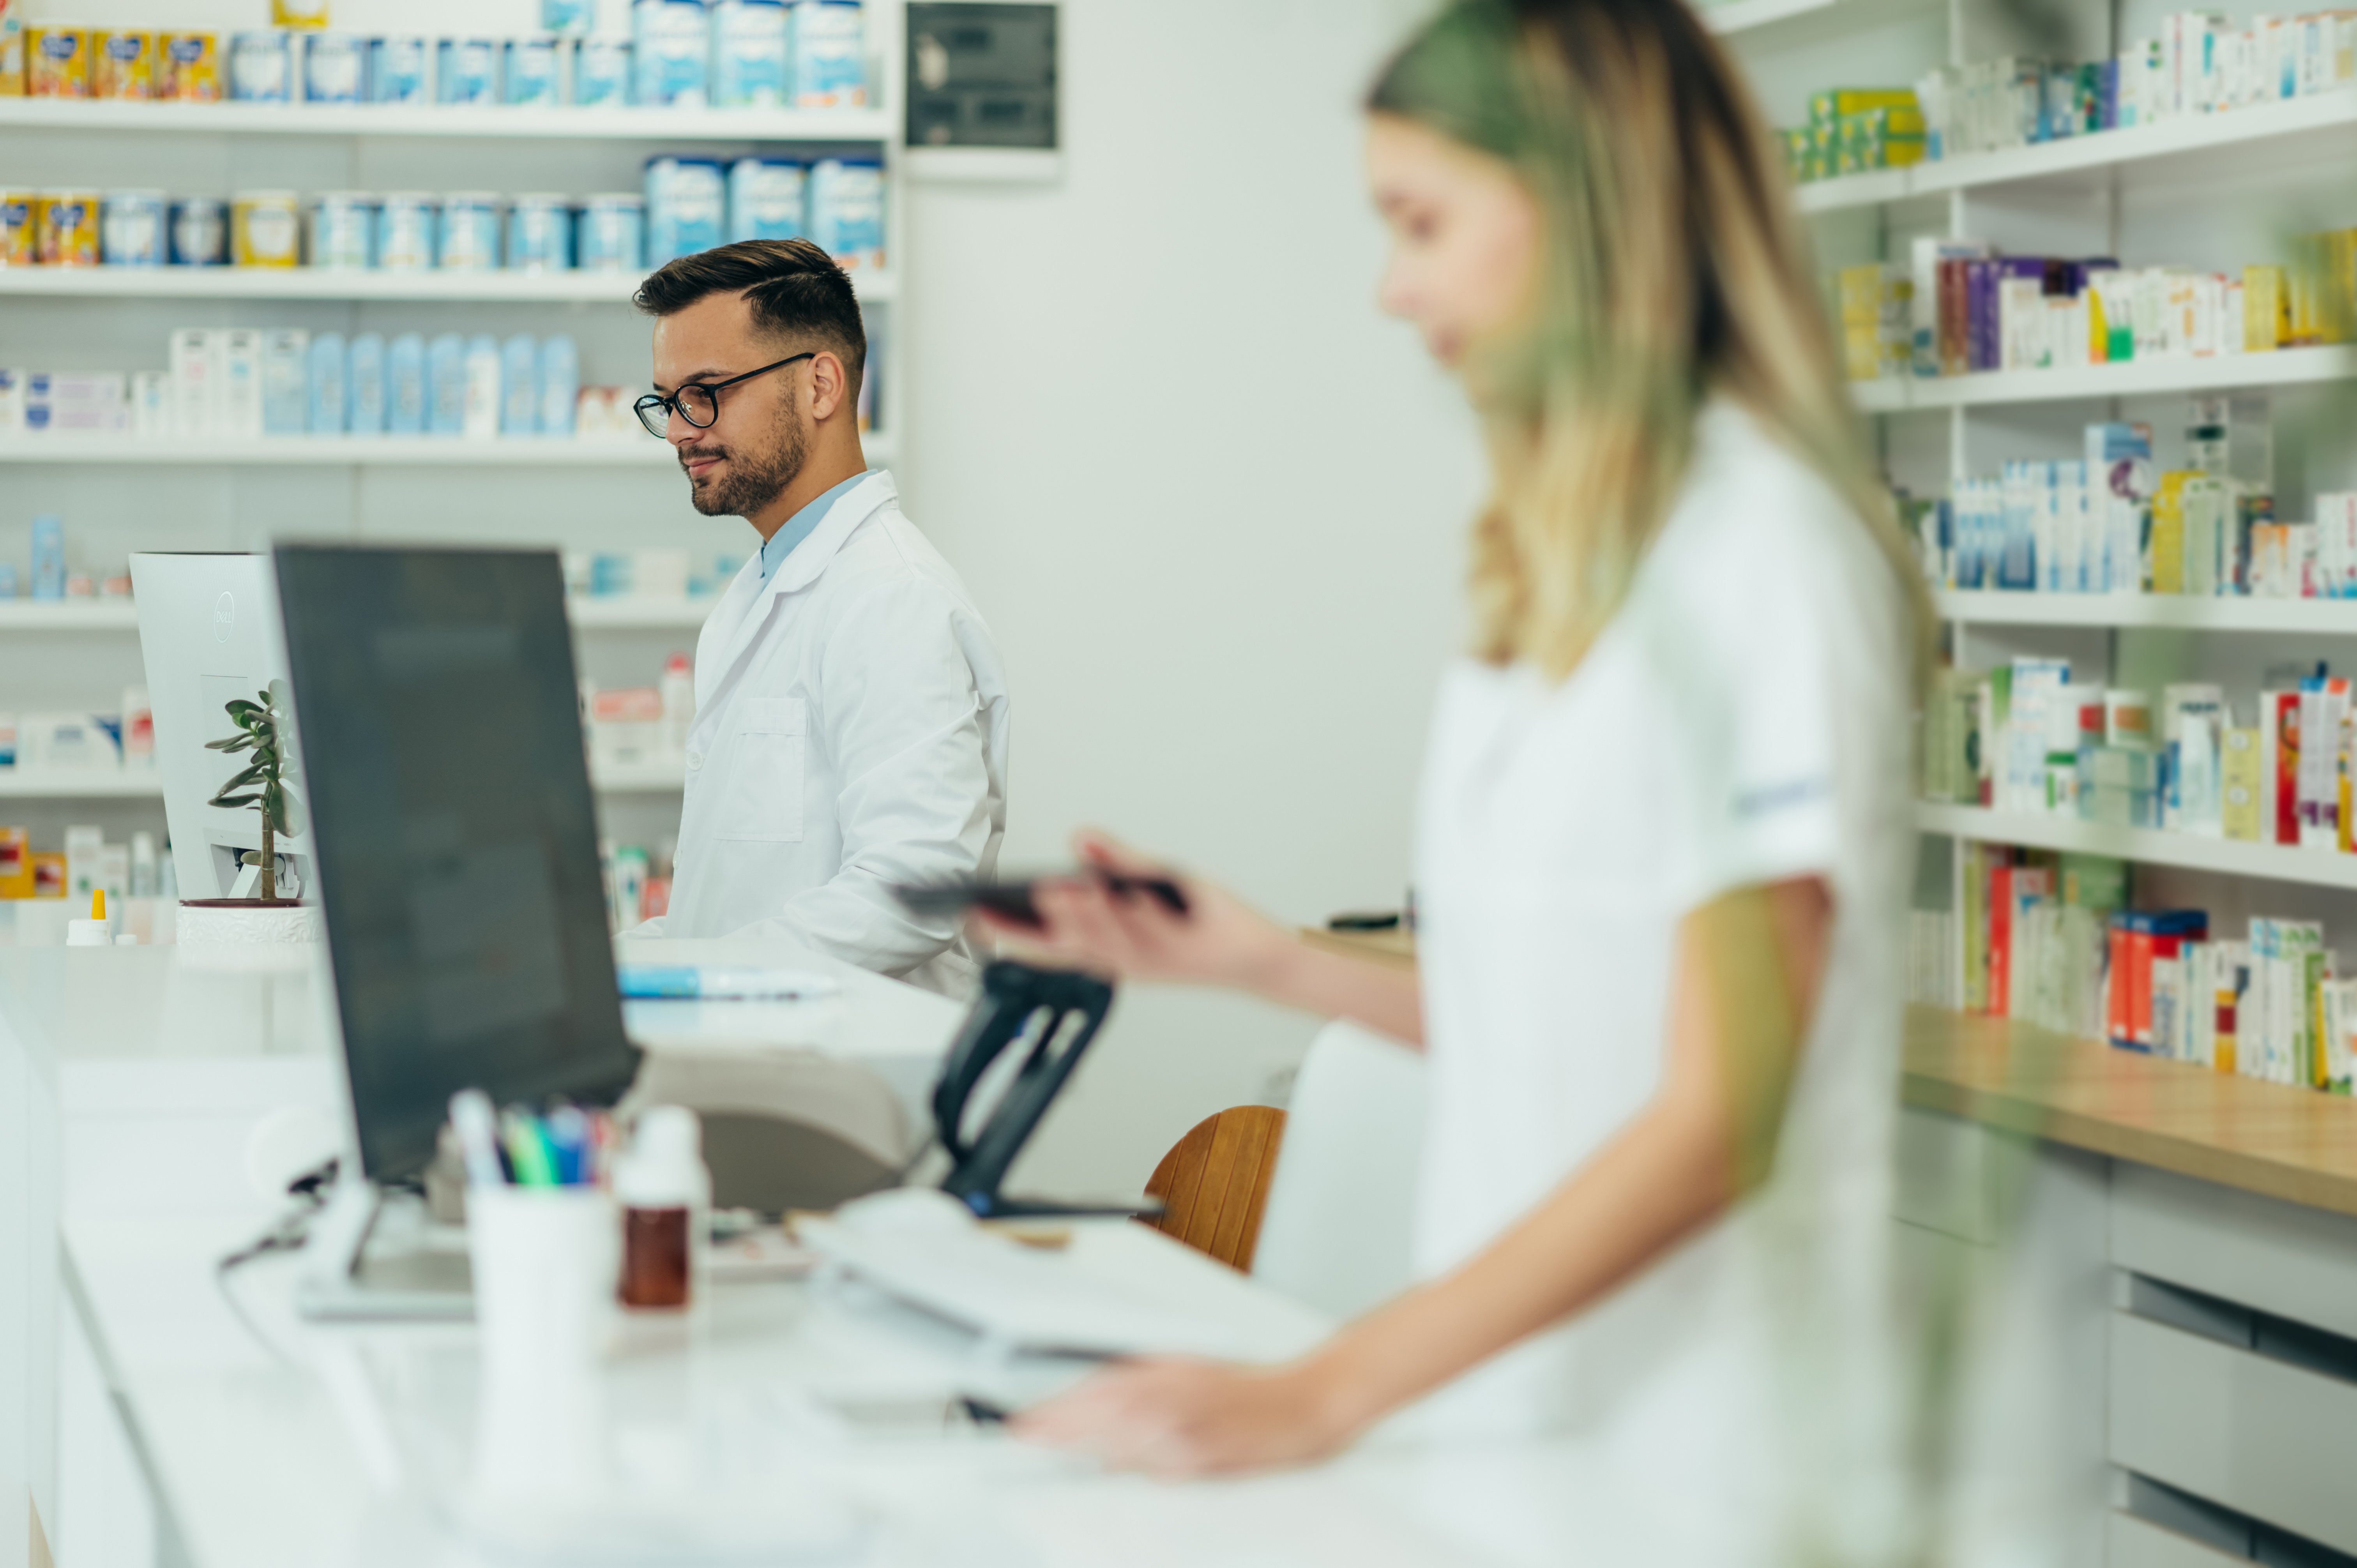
[(763, 799)]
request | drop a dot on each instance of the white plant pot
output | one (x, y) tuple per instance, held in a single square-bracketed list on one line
[(223, 923)]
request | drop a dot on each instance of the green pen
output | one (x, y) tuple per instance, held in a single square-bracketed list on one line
[(527, 1149)]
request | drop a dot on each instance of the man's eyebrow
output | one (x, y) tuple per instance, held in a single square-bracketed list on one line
[(702, 375)]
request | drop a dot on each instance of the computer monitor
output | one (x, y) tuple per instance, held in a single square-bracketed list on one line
[(208, 632), (455, 842)]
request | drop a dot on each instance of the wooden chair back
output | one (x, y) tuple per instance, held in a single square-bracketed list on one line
[(1214, 1183)]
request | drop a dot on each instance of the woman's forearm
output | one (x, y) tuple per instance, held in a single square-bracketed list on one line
[(1383, 996), (1666, 1176)]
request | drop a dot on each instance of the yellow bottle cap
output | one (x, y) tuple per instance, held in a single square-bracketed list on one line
[(97, 903)]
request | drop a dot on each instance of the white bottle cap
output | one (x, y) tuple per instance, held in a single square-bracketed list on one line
[(89, 933), (664, 1169)]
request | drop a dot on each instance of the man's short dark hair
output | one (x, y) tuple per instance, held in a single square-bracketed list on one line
[(794, 289)]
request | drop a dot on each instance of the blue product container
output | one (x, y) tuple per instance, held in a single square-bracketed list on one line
[(466, 71), (335, 68), (364, 385), (343, 230), (829, 49), (48, 556), (613, 231), (286, 377), (329, 384), (531, 76), (520, 386), (396, 72), (467, 240), (406, 225), (687, 206), (540, 233), (847, 211), (407, 400), (199, 232), (572, 17), (131, 229), (601, 72), (445, 384), (749, 53), (766, 198), (261, 66), (673, 43), (559, 384)]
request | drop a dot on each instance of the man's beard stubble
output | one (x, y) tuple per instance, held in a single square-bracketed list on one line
[(750, 482)]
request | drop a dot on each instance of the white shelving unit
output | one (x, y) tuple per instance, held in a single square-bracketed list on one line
[(2331, 617), (362, 451), (465, 122), (2147, 846), (259, 486), (618, 613), (2324, 119), (335, 283), (2131, 378)]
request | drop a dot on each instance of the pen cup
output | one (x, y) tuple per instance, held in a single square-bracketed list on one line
[(545, 1262)]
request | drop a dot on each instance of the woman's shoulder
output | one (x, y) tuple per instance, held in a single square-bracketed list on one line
[(1753, 516)]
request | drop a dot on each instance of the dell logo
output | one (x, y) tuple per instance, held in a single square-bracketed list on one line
[(224, 617)]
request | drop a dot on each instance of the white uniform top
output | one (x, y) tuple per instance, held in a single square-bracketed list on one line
[(851, 722), (1743, 720)]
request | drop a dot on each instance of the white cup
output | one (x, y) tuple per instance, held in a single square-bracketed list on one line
[(546, 1261)]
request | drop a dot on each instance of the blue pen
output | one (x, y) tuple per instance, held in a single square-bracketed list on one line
[(567, 1132)]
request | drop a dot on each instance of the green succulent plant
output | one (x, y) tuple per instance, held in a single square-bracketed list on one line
[(262, 783)]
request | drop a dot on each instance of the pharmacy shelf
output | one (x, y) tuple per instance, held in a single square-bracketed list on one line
[(334, 283), (37, 784), (2148, 846), (620, 613), (470, 123), (2134, 378), (40, 784), (655, 779), (625, 613), (68, 614), (1982, 608), (2323, 118), (374, 452), (1737, 18)]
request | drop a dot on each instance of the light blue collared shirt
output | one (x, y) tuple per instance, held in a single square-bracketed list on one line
[(800, 526)]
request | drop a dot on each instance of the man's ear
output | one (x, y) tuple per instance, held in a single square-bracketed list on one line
[(829, 385)]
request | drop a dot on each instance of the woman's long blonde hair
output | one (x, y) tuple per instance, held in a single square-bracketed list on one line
[(1671, 271)]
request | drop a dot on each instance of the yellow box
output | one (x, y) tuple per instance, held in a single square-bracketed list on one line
[(20, 244), (2168, 531), (57, 63), (1835, 102), (12, 57), (122, 63), (188, 67), (265, 228), (65, 226), (2266, 321), (298, 12), (15, 864)]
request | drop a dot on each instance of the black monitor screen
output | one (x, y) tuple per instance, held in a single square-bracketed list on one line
[(456, 845)]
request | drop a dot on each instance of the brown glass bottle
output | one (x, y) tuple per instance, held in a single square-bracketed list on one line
[(654, 1257)]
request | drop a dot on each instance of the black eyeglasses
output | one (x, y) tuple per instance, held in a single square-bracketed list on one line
[(698, 403)]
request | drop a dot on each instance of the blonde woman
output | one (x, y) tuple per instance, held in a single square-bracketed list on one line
[(1663, 831)]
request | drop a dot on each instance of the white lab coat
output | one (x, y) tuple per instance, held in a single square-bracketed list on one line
[(851, 724)]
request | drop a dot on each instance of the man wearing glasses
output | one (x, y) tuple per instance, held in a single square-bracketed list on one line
[(851, 712)]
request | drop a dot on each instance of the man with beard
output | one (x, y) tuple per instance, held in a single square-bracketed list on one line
[(851, 714)]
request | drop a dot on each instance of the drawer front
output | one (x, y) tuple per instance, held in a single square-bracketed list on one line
[(2263, 1438), (2281, 1258), (2130, 1542), (1943, 1176)]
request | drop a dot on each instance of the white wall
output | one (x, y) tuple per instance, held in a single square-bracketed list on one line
[(1210, 501)]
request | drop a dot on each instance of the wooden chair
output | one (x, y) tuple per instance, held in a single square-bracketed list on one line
[(1214, 1183)]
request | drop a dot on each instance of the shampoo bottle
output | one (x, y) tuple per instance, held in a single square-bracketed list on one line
[(479, 419), (559, 384), (446, 381), (405, 405), (520, 386), (329, 385), (364, 385)]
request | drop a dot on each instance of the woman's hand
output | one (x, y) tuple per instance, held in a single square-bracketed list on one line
[(1178, 1418), (1086, 924)]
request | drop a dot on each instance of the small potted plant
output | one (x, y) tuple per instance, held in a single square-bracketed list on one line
[(261, 784)]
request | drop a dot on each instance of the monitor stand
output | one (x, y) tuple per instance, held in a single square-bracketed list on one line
[(377, 1257)]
